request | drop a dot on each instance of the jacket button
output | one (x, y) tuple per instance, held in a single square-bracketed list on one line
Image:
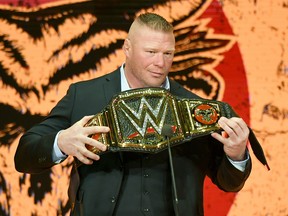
[(113, 199), (41, 159)]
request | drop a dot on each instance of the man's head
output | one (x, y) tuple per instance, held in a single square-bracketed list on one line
[(149, 51)]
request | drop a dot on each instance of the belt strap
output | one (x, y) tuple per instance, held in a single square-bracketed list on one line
[(136, 119)]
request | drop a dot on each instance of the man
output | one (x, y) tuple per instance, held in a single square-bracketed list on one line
[(130, 183)]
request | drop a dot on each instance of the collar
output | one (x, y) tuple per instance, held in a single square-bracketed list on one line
[(125, 86)]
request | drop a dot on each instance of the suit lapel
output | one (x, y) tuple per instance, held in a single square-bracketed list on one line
[(112, 85), (175, 88)]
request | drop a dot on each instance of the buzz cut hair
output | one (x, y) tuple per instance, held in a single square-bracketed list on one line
[(155, 22)]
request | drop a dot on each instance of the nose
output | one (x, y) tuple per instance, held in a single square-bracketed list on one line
[(159, 60)]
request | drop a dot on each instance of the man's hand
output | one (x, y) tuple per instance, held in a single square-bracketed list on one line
[(72, 141), (234, 137)]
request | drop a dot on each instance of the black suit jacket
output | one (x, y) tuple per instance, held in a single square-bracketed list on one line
[(100, 183)]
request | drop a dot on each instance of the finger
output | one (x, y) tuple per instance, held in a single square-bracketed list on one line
[(239, 127), (96, 129), (241, 124), (85, 119), (90, 155), (81, 157), (226, 126), (219, 137), (88, 159), (231, 126), (94, 143), (86, 156)]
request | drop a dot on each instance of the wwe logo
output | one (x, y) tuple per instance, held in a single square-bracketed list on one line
[(146, 114)]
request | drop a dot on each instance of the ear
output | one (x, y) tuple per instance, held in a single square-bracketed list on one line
[(126, 46)]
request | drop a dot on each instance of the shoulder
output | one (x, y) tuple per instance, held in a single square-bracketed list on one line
[(115, 75), (178, 90)]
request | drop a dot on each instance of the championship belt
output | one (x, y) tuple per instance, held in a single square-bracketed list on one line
[(136, 119)]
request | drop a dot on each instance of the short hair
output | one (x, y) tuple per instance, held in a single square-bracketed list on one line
[(155, 22)]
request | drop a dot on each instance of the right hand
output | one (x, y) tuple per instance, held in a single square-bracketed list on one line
[(72, 141)]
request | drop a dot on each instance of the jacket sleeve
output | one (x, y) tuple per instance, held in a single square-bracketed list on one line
[(229, 178), (222, 173), (34, 151)]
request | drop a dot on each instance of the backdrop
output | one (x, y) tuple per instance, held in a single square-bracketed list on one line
[(233, 50)]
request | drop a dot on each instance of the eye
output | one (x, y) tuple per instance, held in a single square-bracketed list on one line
[(169, 54), (151, 51)]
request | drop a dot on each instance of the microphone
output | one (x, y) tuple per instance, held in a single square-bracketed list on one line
[(168, 133)]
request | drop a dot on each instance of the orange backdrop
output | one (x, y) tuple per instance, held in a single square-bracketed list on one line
[(237, 52)]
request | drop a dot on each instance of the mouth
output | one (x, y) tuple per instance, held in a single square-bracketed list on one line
[(157, 74)]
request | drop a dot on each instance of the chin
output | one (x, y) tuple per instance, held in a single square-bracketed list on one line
[(157, 83)]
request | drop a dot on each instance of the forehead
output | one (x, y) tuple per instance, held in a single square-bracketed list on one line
[(149, 38)]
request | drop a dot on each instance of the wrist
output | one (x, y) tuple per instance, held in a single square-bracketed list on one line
[(240, 157)]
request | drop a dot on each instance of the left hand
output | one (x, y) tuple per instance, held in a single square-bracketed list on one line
[(234, 137)]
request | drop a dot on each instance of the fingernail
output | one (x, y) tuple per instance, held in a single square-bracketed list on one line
[(104, 148)]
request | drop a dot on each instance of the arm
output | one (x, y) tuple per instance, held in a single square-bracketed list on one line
[(35, 149), (230, 179), (234, 140)]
